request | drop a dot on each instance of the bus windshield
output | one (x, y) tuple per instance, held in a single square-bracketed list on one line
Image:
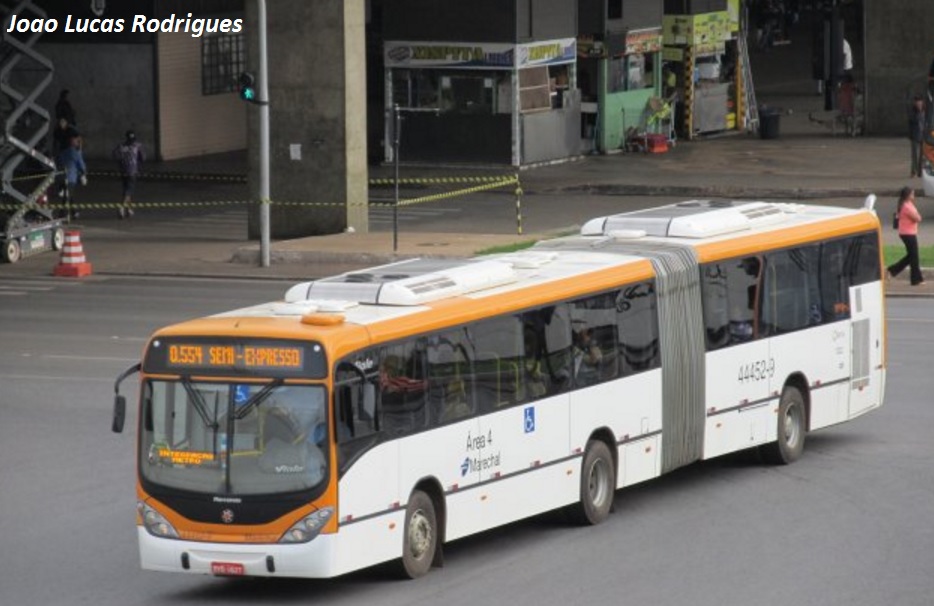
[(234, 438)]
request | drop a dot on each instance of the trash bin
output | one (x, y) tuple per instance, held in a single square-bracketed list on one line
[(769, 121)]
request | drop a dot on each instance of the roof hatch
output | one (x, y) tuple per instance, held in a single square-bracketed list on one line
[(407, 283), (695, 219)]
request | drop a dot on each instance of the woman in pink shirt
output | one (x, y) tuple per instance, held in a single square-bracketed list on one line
[(908, 220)]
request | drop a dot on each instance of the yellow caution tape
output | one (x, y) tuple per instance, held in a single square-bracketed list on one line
[(502, 182), (435, 180)]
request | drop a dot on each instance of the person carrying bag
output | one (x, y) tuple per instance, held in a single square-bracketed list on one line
[(906, 220)]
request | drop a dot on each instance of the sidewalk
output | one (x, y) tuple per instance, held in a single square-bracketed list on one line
[(806, 162)]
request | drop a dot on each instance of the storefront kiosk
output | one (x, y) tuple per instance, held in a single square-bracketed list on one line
[(702, 52), (514, 104)]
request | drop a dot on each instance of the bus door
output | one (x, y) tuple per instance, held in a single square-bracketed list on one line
[(739, 363), (865, 347), (443, 452), (367, 463)]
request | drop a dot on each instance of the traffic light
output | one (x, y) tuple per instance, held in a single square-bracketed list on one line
[(248, 87)]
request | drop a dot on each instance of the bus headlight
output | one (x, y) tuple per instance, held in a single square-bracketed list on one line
[(155, 523), (308, 527)]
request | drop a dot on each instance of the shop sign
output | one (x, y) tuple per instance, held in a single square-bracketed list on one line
[(732, 7), (547, 53), (589, 46), (446, 54), (644, 41), (673, 53), (708, 30), (479, 56)]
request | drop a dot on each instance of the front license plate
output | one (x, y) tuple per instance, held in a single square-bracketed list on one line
[(227, 569)]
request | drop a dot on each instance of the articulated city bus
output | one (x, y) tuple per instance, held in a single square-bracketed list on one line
[(378, 414)]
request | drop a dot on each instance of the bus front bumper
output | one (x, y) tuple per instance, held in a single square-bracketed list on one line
[(314, 559)]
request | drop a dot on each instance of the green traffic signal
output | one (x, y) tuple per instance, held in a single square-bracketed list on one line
[(247, 86)]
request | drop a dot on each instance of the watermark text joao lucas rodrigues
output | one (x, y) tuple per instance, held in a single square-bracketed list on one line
[(140, 24)]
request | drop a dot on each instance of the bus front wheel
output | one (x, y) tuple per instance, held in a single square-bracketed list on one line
[(792, 429), (598, 484), (421, 535)]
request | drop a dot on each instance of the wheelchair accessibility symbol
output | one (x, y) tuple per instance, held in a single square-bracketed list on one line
[(529, 419)]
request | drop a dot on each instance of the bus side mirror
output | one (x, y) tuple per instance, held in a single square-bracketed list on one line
[(120, 401), (119, 414)]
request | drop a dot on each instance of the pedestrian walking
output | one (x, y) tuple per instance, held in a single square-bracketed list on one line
[(847, 57), (916, 126), (63, 109), (908, 219), (62, 136), (130, 157), (70, 162), (846, 103)]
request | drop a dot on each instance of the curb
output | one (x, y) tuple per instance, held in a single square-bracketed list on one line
[(251, 256), (718, 191)]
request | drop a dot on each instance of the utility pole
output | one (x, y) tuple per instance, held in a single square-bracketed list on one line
[(263, 102), (833, 43)]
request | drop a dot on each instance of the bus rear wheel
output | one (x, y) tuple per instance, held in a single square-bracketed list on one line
[(421, 535), (598, 484), (792, 429)]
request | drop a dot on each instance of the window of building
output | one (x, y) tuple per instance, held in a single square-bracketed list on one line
[(223, 59), (534, 89), (631, 72), (416, 89), (614, 9), (449, 91)]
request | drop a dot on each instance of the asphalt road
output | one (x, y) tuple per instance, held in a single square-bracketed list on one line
[(847, 524)]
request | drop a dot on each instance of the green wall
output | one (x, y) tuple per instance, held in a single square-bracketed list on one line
[(620, 111)]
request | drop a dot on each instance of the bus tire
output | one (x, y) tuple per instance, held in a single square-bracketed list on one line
[(792, 429), (598, 484), (420, 541)]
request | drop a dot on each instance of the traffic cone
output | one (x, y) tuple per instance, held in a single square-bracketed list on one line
[(72, 263)]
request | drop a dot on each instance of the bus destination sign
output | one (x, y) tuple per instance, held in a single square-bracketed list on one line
[(247, 356), (266, 358)]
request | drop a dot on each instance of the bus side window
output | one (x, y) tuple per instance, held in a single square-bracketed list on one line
[(354, 409), (403, 386), (791, 299), (594, 339), (557, 359), (498, 362), (637, 319), (730, 297), (450, 377)]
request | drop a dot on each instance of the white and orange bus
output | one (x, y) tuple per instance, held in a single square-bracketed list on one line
[(375, 415)]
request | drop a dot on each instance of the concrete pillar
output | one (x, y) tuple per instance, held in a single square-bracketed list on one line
[(899, 50), (317, 96)]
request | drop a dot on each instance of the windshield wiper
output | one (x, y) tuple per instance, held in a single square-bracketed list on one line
[(200, 406), (257, 399)]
